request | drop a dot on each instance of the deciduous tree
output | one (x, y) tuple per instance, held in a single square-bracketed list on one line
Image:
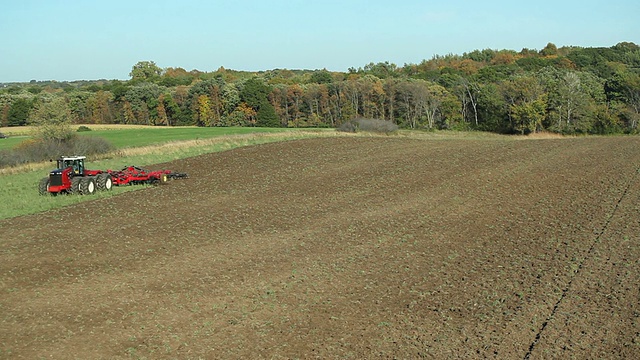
[(51, 118), (162, 112), (526, 101), (18, 114), (145, 70), (204, 113)]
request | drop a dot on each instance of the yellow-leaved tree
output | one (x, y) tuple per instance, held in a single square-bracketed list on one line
[(51, 119)]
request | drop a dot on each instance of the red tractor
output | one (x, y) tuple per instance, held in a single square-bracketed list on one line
[(72, 177)]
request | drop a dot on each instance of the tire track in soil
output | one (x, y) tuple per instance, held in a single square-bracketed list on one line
[(577, 272)]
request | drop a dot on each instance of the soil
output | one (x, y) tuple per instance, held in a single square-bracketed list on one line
[(377, 247)]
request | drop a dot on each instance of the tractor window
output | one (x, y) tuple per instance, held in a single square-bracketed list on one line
[(77, 166)]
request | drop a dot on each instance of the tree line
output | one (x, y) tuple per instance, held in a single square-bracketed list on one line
[(570, 90)]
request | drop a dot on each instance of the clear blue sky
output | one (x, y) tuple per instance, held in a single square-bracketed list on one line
[(102, 39)]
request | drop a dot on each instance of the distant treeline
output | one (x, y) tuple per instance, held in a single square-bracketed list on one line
[(570, 90)]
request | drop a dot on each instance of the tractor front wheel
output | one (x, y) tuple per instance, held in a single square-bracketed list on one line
[(43, 187), (75, 185), (88, 185)]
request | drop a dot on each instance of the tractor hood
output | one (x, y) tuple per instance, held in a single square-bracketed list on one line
[(57, 171)]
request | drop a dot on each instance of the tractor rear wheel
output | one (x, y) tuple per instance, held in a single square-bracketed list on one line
[(88, 185), (104, 181), (43, 187), (75, 185)]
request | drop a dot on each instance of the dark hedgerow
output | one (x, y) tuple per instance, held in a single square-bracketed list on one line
[(370, 125), (36, 150)]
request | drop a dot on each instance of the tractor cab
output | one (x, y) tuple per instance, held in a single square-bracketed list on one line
[(75, 162)]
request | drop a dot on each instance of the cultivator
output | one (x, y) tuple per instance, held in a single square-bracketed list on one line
[(72, 177), (133, 175)]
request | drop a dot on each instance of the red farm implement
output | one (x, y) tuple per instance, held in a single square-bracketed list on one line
[(72, 177)]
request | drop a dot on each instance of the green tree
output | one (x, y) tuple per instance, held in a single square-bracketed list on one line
[(492, 109), (172, 110), (579, 93), (213, 89), (78, 102), (549, 50), (382, 70), (255, 94), (528, 116), (624, 87), (117, 88), (230, 96), (176, 76), (18, 114), (420, 104), (51, 119), (526, 103), (143, 99), (266, 116), (4, 115), (321, 77), (466, 91), (145, 70), (34, 89)]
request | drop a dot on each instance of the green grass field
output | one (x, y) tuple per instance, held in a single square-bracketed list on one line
[(124, 138), (121, 137), (11, 142)]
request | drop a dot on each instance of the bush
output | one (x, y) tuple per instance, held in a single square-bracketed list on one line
[(36, 150), (83, 128), (91, 145), (370, 125), (348, 126)]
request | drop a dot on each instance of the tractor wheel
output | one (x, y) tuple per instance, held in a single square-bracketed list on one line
[(104, 182), (75, 185), (88, 185), (43, 187)]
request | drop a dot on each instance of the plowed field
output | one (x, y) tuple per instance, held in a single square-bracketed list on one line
[(376, 247)]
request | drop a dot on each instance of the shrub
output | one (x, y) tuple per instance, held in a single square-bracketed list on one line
[(371, 125), (348, 126), (35, 150), (83, 128), (91, 145)]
